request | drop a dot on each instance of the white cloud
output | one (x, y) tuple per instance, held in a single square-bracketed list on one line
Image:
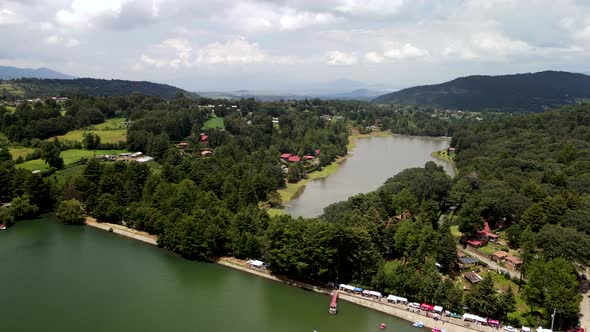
[(292, 20), (235, 51), (371, 7), (374, 57), (61, 41), (8, 16), (404, 52), (341, 58), (179, 53), (500, 44)]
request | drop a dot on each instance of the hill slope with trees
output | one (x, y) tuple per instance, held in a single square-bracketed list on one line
[(33, 87), (531, 92)]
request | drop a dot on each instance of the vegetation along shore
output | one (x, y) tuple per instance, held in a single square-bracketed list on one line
[(199, 187)]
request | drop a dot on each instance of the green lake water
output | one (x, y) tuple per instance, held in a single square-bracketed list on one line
[(67, 278)]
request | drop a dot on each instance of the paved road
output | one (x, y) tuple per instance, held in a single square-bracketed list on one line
[(491, 264)]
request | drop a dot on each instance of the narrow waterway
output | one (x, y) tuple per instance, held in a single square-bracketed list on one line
[(67, 278), (373, 161)]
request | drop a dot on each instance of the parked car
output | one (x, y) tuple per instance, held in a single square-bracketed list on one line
[(509, 328), (414, 305)]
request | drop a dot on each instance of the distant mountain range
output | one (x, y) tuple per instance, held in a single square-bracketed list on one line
[(520, 92), (8, 73), (33, 87), (358, 94)]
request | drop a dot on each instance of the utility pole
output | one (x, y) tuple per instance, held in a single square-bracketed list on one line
[(552, 319)]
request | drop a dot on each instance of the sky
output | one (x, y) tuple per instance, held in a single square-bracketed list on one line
[(290, 45)]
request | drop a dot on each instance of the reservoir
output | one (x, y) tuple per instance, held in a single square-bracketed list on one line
[(73, 278), (372, 162)]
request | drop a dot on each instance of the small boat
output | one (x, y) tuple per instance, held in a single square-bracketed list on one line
[(382, 326), (418, 324), (334, 303)]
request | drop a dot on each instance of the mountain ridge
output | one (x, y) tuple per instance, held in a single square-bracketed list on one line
[(516, 92), (9, 72), (33, 87)]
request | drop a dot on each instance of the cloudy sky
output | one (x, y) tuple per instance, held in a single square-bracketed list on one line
[(294, 44)]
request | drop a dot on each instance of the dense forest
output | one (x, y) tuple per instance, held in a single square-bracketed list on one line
[(34, 87), (526, 174), (532, 92)]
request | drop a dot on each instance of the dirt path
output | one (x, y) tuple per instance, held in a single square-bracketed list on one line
[(122, 230), (585, 307), (491, 264)]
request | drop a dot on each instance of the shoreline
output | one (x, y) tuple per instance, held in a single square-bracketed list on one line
[(398, 311), (293, 190)]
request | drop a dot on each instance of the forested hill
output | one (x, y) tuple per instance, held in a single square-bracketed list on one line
[(531, 92), (32, 87)]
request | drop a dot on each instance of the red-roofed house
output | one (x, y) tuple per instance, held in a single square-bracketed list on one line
[(317, 152), (499, 256), (294, 159), (204, 137), (482, 237), (513, 261), (285, 156), (308, 157)]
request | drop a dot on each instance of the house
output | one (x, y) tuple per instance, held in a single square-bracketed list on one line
[(468, 261), (308, 157), (203, 138), (206, 153), (182, 145), (513, 262), (275, 120), (294, 159), (285, 156), (317, 152), (499, 256), (473, 277), (482, 237)]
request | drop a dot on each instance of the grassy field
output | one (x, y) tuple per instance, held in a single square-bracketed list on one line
[(216, 122), (63, 175), (111, 131), (20, 152), (12, 89), (11, 108), (69, 156), (455, 231), (444, 155)]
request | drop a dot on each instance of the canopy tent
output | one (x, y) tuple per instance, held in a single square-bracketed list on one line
[(366, 292), (438, 308), (474, 318), (357, 289), (396, 299), (493, 322), (427, 306), (374, 293), (347, 287), (255, 263), (525, 329)]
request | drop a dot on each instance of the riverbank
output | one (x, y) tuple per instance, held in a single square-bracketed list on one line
[(293, 190), (122, 230), (400, 311)]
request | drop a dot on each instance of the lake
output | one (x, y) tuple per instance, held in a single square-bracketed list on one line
[(62, 278), (373, 161)]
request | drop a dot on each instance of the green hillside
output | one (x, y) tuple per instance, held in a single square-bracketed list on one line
[(32, 87), (521, 92)]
